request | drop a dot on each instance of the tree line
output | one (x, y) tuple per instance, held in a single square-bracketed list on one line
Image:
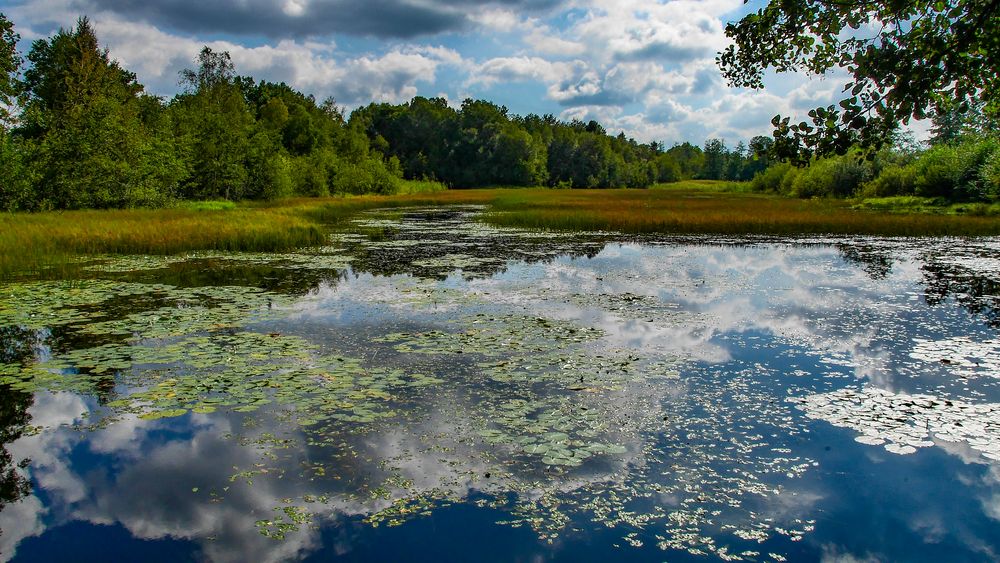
[(84, 134), (77, 130)]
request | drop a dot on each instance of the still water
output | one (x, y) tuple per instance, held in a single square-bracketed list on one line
[(428, 388)]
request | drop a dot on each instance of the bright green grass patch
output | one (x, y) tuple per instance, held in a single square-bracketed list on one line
[(914, 204), (408, 187), (209, 205), (705, 186)]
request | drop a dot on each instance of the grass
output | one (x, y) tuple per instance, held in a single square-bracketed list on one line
[(34, 241), (409, 187), (29, 242), (708, 186), (914, 204), (714, 209)]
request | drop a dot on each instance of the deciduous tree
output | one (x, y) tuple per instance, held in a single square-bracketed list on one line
[(906, 58)]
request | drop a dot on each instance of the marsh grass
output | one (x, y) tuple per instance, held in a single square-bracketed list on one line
[(914, 204), (407, 187), (31, 242), (40, 240), (715, 210)]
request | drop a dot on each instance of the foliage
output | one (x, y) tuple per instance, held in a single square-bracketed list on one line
[(951, 122), (94, 142), (907, 59), (481, 145), (770, 179), (10, 64), (963, 170)]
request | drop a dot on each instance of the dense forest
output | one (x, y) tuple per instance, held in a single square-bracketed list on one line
[(78, 131), (84, 134)]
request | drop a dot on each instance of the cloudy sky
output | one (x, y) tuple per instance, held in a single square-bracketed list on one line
[(643, 67)]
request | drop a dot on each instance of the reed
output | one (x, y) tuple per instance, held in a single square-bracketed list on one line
[(38, 240), (30, 242), (701, 211)]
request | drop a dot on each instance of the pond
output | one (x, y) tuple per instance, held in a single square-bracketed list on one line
[(430, 388)]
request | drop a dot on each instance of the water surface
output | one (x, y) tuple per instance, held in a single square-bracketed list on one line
[(430, 388)]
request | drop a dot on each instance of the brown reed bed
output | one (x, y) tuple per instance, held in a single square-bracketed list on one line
[(31, 241)]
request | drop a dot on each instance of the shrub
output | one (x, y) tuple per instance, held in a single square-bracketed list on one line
[(895, 180), (990, 174), (369, 176), (769, 179), (955, 171)]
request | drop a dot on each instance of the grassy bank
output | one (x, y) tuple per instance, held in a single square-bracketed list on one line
[(933, 205), (716, 209), (32, 241)]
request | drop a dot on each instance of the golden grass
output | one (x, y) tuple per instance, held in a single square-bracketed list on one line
[(32, 241), (701, 211)]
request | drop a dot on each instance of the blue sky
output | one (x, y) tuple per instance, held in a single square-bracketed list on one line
[(643, 67)]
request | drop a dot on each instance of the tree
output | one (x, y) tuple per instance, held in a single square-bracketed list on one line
[(214, 125), (907, 59), (10, 65), (84, 119), (715, 159), (950, 122), (15, 187)]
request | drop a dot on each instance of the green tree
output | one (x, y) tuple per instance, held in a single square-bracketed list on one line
[(15, 185), (907, 59), (714, 166), (10, 66), (951, 122), (689, 159), (214, 126), (84, 119)]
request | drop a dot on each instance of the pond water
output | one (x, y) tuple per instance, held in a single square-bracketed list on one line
[(429, 388)]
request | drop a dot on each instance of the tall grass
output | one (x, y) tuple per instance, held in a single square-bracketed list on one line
[(700, 211), (33, 241), (29, 242)]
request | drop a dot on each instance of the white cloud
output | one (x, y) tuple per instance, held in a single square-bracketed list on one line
[(650, 65)]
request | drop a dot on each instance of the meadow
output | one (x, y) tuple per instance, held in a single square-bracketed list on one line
[(32, 241)]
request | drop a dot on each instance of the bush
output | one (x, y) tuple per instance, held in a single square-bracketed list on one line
[(895, 180), (277, 178), (814, 181), (369, 176), (848, 175), (309, 177), (990, 174), (769, 179), (955, 171), (788, 180)]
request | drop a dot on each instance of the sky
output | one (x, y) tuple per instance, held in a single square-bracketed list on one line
[(646, 68)]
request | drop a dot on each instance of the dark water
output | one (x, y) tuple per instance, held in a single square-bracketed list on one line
[(428, 389)]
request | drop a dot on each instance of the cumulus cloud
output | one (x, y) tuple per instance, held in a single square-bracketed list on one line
[(311, 18), (646, 67), (320, 69)]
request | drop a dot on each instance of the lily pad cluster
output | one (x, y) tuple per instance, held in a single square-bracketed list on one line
[(902, 423), (195, 355), (41, 305), (961, 355), (322, 258)]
